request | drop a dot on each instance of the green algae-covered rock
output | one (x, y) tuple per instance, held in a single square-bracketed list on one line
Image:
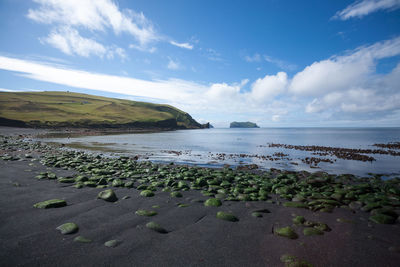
[(108, 195), (295, 205), (82, 239), (371, 206), (51, 203), (386, 211), (147, 193), (156, 227), (78, 185), (322, 227), (66, 180), (128, 184), (382, 219), (147, 213), (68, 228), (312, 231), (227, 216), (298, 220), (90, 184), (292, 261), (176, 194), (183, 205), (256, 214), (117, 183), (286, 232), (112, 243), (213, 202)]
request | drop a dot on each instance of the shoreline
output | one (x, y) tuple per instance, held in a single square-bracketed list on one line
[(195, 237)]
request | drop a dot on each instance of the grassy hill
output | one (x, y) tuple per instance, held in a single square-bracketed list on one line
[(66, 109)]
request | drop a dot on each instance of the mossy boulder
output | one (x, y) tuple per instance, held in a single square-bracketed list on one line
[(156, 227), (82, 239), (386, 211), (286, 232), (227, 216), (117, 183), (292, 261), (147, 193), (68, 228), (51, 203), (323, 227), (256, 214), (298, 220), (108, 195), (66, 180), (147, 213), (382, 219), (112, 243), (176, 194), (312, 231), (213, 202)]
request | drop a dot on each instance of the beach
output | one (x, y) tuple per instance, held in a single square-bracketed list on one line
[(193, 235)]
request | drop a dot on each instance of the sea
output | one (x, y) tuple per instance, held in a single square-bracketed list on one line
[(235, 147)]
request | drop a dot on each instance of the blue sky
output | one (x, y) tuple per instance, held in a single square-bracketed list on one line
[(277, 63)]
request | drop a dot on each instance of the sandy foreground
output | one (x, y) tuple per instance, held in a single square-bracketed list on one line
[(195, 237)]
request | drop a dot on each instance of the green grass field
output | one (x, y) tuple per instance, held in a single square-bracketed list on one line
[(54, 109)]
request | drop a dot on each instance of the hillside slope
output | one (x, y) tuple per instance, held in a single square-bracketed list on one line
[(66, 109)]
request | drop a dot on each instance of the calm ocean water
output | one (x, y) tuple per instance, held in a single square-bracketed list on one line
[(201, 147)]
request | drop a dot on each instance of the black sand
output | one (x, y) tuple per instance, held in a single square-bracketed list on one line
[(28, 236)]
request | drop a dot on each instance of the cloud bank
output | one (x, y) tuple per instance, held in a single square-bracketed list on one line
[(340, 87), (69, 18)]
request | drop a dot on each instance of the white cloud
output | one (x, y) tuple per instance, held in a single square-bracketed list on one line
[(173, 64), (213, 55), (265, 89), (280, 63), (276, 118), (254, 58), (95, 15), (182, 45), (7, 90), (362, 8), (343, 72), (169, 90), (70, 42)]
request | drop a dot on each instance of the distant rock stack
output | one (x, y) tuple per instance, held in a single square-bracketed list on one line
[(246, 124)]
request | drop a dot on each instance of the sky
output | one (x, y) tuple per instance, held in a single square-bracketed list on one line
[(279, 63)]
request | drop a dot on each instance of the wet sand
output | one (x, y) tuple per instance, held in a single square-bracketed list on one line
[(28, 236)]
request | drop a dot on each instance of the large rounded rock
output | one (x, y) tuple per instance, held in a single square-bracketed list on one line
[(312, 231), (213, 202), (147, 213), (82, 239), (68, 228), (382, 219), (108, 195), (156, 227), (112, 243), (286, 232), (51, 203), (147, 193), (227, 216)]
